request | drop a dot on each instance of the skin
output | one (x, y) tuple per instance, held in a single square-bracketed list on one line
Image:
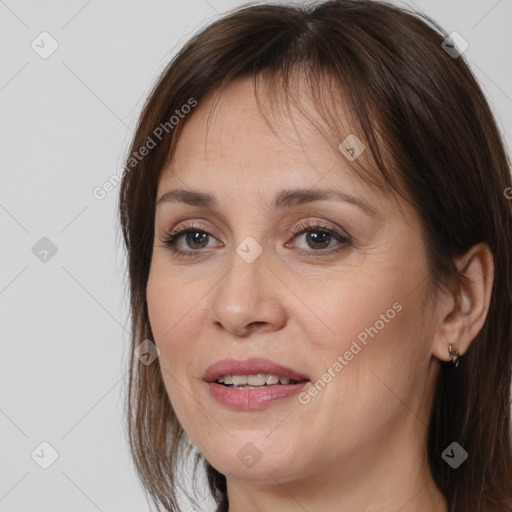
[(359, 444)]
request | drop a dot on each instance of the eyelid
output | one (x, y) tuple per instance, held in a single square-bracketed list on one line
[(319, 224), (183, 226), (189, 225), (292, 229)]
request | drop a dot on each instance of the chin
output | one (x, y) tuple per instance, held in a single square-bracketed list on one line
[(259, 465)]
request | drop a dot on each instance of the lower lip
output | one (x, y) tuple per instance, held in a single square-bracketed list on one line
[(253, 399)]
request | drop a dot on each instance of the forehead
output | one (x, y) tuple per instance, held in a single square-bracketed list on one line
[(234, 139)]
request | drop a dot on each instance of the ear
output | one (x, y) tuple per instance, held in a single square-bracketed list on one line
[(462, 312)]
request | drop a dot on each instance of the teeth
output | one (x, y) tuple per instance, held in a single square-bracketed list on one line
[(271, 379), (251, 381), (256, 380), (239, 380)]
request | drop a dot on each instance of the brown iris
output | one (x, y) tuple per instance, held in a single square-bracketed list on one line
[(192, 238), (318, 237)]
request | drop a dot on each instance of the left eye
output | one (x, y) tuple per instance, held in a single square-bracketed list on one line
[(319, 238)]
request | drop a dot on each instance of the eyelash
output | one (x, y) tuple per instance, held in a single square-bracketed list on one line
[(345, 240)]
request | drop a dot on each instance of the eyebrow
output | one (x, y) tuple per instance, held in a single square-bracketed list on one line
[(288, 198)]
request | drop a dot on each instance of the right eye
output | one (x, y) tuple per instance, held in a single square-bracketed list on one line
[(188, 241)]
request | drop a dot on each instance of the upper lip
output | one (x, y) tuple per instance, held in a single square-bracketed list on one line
[(251, 366)]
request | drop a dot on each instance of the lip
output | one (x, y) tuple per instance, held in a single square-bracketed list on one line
[(251, 366), (253, 399)]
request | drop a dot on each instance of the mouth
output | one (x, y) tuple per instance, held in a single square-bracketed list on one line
[(253, 372), (256, 381), (252, 383)]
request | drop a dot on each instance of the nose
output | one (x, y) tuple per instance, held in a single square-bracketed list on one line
[(247, 299)]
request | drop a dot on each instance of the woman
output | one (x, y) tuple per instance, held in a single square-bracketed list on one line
[(318, 234)]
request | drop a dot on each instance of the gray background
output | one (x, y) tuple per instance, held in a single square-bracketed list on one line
[(65, 124)]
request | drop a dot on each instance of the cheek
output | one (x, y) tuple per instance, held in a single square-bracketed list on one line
[(356, 309), (373, 343), (174, 309), (375, 372), (378, 306), (175, 312)]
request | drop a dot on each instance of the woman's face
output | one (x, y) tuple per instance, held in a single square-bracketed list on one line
[(328, 287)]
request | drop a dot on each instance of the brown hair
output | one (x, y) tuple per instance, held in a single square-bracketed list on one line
[(411, 100)]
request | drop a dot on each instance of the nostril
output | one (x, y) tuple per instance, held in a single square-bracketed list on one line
[(256, 325)]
